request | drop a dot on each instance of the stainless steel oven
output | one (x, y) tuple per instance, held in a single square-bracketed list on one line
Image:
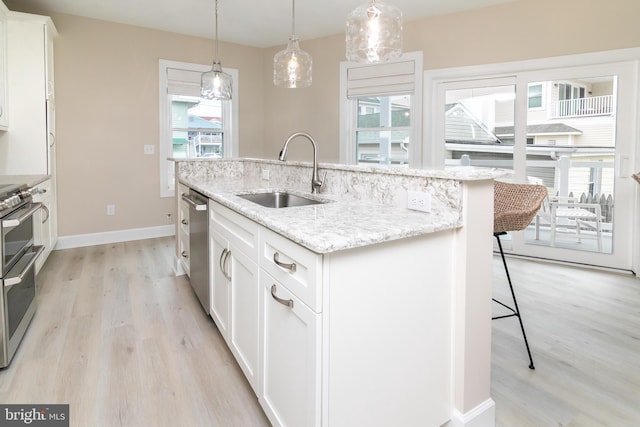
[(18, 278)]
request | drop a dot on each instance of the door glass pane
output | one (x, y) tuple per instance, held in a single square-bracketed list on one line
[(571, 149), (479, 128), (383, 130)]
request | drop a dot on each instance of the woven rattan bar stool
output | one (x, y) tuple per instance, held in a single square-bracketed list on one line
[(514, 207)]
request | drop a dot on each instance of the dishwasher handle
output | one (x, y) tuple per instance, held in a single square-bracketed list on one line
[(193, 203)]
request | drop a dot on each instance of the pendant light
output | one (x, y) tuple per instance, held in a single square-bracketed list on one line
[(215, 83), (374, 33), (292, 66)]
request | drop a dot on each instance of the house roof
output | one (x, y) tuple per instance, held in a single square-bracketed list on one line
[(462, 126), (196, 122), (542, 129)]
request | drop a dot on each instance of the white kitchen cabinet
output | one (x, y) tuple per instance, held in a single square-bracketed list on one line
[(336, 340), (182, 249), (290, 392), (4, 107), (28, 147), (220, 282), (45, 225), (235, 286)]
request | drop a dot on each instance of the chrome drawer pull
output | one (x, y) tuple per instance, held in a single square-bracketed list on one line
[(287, 302), (184, 222), (223, 263), (276, 259), (184, 254)]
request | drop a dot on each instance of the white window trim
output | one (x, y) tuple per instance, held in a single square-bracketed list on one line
[(231, 131), (348, 112)]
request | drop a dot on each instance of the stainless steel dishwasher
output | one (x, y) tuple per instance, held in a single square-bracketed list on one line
[(199, 245)]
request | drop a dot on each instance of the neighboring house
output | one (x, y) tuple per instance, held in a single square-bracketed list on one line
[(193, 135), (570, 132)]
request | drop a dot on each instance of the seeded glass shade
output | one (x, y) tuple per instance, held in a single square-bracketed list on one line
[(374, 33), (292, 66), (216, 84)]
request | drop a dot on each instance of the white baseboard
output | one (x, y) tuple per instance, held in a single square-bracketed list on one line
[(81, 240), (483, 415)]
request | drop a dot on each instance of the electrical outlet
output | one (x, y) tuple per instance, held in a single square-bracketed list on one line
[(169, 219), (111, 209), (265, 174), (149, 149), (419, 201)]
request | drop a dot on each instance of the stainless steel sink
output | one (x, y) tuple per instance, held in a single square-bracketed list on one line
[(279, 199)]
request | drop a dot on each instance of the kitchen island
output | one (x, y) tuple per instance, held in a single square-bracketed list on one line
[(355, 311)]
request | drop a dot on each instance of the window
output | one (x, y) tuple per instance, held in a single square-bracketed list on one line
[(380, 112), (535, 95), (190, 126), (383, 130)]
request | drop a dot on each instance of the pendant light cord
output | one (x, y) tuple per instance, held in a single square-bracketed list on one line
[(293, 18), (216, 44)]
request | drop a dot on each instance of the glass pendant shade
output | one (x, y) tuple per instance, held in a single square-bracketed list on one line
[(292, 67), (374, 33), (216, 84)]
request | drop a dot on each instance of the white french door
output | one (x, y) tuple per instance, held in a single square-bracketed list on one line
[(571, 129)]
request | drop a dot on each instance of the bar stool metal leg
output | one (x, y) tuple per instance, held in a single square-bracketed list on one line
[(515, 311)]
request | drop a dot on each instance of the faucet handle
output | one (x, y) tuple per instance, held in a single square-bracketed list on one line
[(324, 177), (321, 182)]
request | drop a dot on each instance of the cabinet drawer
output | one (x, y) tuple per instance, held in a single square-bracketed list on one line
[(241, 232), (295, 267)]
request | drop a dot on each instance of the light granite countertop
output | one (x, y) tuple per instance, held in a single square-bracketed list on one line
[(364, 206), (30, 180)]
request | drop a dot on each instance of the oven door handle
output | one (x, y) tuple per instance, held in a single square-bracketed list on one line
[(14, 222), (16, 279)]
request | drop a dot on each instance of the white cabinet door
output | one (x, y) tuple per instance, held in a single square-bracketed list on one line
[(183, 231), (4, 107), (220, 284), (290, 387), (245, 309), (43, 231), (29, 38)]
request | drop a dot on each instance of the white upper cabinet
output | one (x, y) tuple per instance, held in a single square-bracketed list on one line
[(28, 147), (4, 110)]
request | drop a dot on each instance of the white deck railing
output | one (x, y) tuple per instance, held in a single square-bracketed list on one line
[(582, 107)]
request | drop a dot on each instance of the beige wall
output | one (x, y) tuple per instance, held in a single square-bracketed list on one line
[(107, 92), (525, 29)]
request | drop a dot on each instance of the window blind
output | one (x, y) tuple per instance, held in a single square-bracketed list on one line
[(381, 79), (183, 82)]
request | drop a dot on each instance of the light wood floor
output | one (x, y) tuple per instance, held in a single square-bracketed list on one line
[(583, 326), (126, 343)]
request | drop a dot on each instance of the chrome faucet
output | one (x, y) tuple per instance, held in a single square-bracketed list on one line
[(316, 183)]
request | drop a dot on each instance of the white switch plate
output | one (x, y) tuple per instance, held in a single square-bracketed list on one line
[(111, 210), (419, 201), (149, 149)]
